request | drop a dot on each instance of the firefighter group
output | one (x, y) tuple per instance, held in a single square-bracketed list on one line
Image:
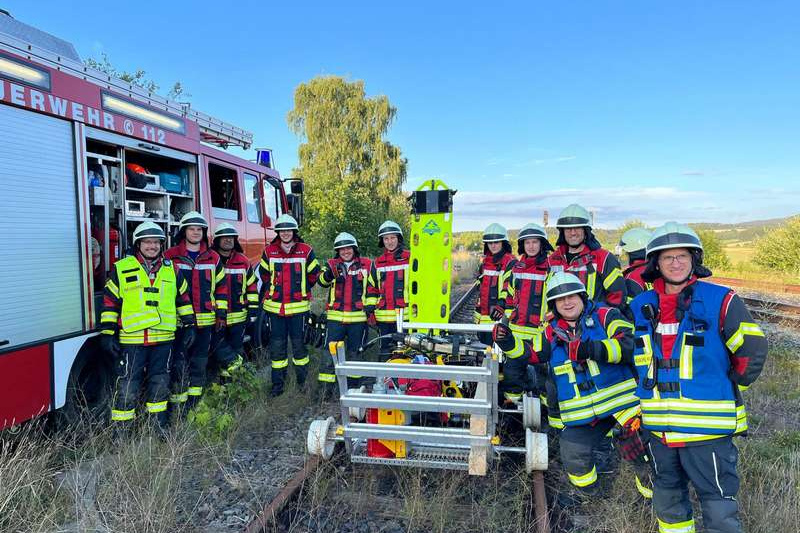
[(652, 356)]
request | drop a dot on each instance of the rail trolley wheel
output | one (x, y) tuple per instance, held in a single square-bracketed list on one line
[(358, 412), (531, 412), (318, 442), (535, 451)]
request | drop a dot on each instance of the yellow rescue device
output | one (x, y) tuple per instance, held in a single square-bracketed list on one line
[(431, 246)]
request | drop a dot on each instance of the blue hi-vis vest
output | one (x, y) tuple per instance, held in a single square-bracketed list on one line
[(690, 393), (591, 390)]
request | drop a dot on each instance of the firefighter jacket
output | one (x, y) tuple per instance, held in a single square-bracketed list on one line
[(597, 269), (205, 276), (387, 284), (143, 307), (597, 387), (494, 274), (241, 287), (526, 288), (287, 278), (347, 296), (692, 393), (633, 279)]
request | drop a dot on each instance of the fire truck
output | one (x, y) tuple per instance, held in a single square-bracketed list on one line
[(84, 159)]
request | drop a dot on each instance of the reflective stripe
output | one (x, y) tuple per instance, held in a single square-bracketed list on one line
[(280, 363), (287, 259), (611, 278), (623, 416), (179, 398), (528, 275), (119, 416), (737, 339), (392, 268), (686, 361), (667, 329), (612, 328), (300, 362), (194, 391), (156, 407), (555, 422), (613, 350), (678, 527), (585, 480), (597, 410), (518, 349), (619, 388), (242, 271), (205, 267), (326, 378), (491, 273), (109, 316), (644, 491)]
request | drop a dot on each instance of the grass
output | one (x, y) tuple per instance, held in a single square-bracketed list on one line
[(77, 480)]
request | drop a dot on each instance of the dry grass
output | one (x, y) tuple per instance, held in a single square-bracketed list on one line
[(465, 266)]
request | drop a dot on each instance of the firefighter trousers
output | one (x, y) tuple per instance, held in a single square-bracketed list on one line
[(140, 361), (711, 468), (386, 345), (578, 445), (227, 348), (189, 367), (283, 330), (353, 335)]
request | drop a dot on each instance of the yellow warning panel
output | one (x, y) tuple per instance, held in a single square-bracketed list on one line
[(431, 244), (393, 417)]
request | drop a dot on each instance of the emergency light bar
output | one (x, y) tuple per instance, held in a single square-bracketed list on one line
[(18, 71), (264, 157), (125, 107)]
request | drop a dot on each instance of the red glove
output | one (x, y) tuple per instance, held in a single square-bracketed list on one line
[(628, 440), (497, 312), (503, 337), (372, 321)]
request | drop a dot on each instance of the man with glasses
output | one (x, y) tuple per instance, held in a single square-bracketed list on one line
[(697, 348)]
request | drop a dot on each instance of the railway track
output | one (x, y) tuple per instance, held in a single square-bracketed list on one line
[(385, 504), (464, 300)]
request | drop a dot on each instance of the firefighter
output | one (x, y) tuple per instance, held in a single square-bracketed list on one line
[(529, 308), (242, 293), (697, 347), (634, 242), (347, 276), (288, 270), (588, 347), (387, 283), (493, 275), (143, 298), (579, 252), (202, 268)]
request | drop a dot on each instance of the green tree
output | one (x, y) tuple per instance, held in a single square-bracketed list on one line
[(713, 254), (138, 77), (779, 248), (353, 176), (630, 224)]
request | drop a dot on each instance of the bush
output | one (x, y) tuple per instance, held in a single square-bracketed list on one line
[(779, 249), (713, 255)]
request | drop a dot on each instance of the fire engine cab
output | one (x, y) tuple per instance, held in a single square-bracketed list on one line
[(84, 158)]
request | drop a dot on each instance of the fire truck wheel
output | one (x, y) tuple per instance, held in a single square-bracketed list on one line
[(535, 451), (531, 412), (89, 389), (318, 442)]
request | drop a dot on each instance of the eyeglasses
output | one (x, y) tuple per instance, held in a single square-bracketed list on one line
[(680, 258)]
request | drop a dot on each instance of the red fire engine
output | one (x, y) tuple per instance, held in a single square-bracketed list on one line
[(84, 158)]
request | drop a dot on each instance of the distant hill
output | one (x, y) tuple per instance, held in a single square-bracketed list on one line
[(738, 232)]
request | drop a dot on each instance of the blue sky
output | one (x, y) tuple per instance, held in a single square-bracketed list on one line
[(673, 110)]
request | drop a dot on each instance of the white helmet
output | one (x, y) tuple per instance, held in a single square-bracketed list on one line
[(148, 230), (225, 230), (673, 235), (635, 240), (563, 284), (193, 218), (574, 216), (343, 240)]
